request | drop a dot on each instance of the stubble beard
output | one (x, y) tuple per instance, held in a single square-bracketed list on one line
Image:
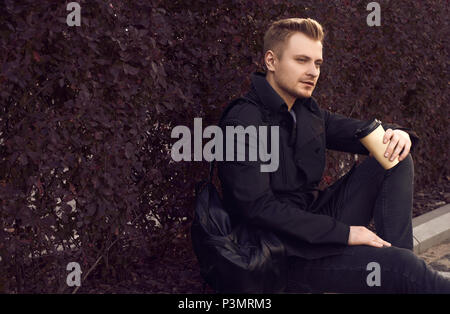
[(296, 93)]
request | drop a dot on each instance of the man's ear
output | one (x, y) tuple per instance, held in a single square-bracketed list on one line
[(270, 60)]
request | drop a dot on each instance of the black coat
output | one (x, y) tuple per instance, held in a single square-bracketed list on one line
[(280, 200)]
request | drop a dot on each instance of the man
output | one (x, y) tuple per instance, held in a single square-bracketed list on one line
[(324, 232)]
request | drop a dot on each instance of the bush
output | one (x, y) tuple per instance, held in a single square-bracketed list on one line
[(87, 112)]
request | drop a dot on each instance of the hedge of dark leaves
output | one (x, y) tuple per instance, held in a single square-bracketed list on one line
[(87, 112)]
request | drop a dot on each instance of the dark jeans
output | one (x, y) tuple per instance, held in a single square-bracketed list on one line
[(369, 191)]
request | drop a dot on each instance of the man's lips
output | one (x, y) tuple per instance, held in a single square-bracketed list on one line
[(308, 83)]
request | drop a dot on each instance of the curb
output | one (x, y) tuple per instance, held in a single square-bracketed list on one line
[(445, 274), (431, 229)]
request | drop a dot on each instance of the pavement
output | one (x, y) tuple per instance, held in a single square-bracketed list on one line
[(432, 239), (438, 257)]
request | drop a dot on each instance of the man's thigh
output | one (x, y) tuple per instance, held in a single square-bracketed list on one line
[(351, 198)]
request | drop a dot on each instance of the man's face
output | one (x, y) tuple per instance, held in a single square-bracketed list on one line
[(295, 75)]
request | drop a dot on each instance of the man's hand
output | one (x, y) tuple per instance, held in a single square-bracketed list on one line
[(399, 140), (362, 236)]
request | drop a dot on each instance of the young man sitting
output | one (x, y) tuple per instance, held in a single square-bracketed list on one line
[(325, 232)]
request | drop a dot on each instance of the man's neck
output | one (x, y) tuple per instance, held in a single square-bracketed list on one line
[(289, 100)]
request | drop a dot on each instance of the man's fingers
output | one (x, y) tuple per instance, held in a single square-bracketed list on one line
[(379, 242), (392, 144), (397, 150), (382, 243), (399, 142), (376, 243), (385, 243), (387, 135)]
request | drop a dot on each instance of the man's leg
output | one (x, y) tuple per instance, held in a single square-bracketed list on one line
[(365, 269), (387, 195), (369, 190), (392, 209)]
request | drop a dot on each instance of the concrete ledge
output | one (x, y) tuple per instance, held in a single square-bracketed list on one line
[(431, 229), (445, 274)]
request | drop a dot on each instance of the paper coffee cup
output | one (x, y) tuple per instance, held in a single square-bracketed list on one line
[(371, 136)]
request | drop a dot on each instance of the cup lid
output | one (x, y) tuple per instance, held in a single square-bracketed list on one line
[(367, 129)]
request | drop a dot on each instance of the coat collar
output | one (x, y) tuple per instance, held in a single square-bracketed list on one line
[(309, 129), (270, 98), (309, 121)]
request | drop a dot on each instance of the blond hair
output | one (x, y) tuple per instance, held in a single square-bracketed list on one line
[(280, 31)]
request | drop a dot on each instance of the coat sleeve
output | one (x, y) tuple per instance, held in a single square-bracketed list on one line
[(247, 193), (340, 132)]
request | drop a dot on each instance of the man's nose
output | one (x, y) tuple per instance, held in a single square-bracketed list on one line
[(313, 70)]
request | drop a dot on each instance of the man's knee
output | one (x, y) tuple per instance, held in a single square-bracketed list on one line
[(406, 163), (404, 261), (408, 160)]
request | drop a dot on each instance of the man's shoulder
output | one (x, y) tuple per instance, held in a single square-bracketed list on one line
[(244, 111)]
